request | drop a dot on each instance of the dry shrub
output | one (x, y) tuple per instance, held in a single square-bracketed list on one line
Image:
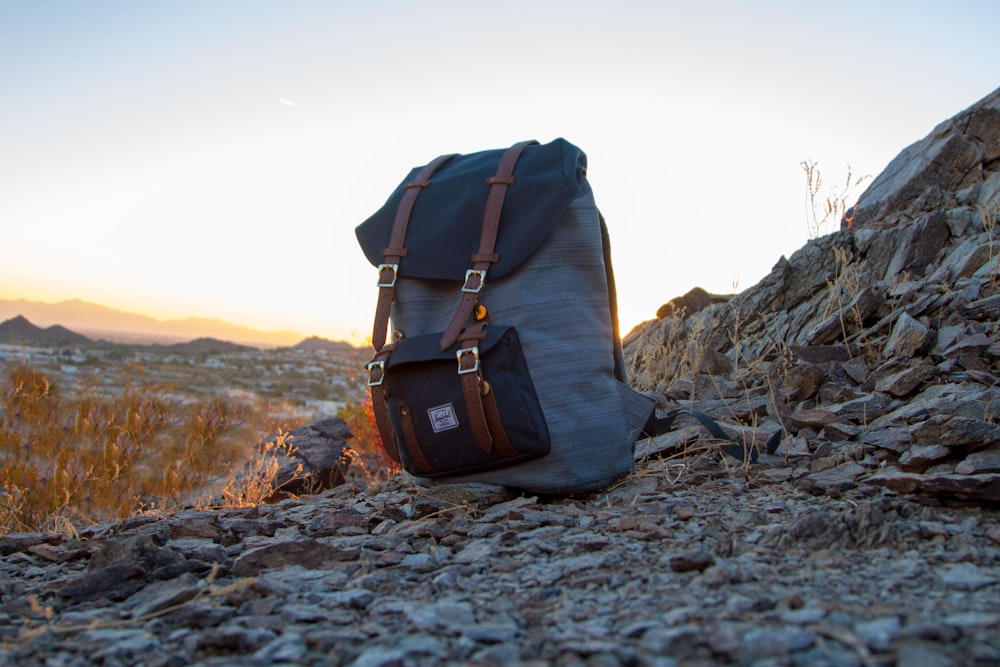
[(833, 209), (257, 482), (369, 462), (98, 458)]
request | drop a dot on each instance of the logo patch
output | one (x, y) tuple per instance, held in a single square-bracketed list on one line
[(443, 417)]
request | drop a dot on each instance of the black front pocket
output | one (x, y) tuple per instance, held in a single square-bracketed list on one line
[(429, 411)]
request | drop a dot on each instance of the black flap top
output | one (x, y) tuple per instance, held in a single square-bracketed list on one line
[(445, 224)]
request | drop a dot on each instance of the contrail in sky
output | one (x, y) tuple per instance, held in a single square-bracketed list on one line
[(289, 103)]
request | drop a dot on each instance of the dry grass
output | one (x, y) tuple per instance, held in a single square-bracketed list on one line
[(66, 462), (829, 210), (989, 215), (675, 354), (844, 290), (258, 481)]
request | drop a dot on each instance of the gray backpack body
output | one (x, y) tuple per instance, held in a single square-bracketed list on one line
[(505, 363)]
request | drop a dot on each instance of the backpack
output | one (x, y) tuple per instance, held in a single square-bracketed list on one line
[(505, 363)]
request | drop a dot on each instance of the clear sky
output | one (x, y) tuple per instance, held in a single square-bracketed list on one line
[(212, 158)]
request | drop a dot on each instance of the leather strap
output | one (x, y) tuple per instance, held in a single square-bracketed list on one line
[(380, 404), (388, 270), (475, 277), (471, 377), (500, 440), (413, 447)]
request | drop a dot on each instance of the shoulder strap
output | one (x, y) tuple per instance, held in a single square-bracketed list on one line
[(737, 449), (395, 251), (475, 278)]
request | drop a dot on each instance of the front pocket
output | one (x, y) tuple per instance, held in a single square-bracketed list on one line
[(446, 423)]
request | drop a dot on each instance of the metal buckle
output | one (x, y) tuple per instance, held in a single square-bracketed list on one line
[(474, 351), (390, 267), (482, 281), (371, 366)]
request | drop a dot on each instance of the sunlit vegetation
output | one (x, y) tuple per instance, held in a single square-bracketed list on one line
[(369, 460), (90, 458), (826, 212), (123, 439)]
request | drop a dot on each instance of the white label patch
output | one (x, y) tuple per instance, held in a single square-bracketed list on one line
[(443, 417)]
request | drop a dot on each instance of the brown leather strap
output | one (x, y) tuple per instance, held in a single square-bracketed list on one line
[(388, 270), (413, 447), (471, 377), (475, 277), (500, 440), (380, 405)]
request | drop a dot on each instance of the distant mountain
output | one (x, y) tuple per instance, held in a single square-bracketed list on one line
[(19, 330), (202, 346), (119, 326), (317, 343)]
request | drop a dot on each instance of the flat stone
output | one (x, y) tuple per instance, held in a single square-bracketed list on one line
[(163, 595), (986, 460), (956, 431), (966, 576), (906, 380), (837, 479), (909, 336), (308, 553), (813, 417), (921, 457), (963, 487), (448, 617), (691, 561), (922, 654)]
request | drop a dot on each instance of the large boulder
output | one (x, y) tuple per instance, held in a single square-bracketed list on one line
[(309, 459)]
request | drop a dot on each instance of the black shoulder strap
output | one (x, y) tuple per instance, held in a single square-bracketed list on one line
[(738, 450)]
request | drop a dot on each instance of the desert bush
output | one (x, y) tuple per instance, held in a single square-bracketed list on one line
[(96, 458), (259, 478), (369, 462)]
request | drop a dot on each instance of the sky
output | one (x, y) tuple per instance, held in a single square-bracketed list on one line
[(212, 158)]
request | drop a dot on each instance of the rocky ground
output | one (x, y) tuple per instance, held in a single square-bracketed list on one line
[(686, 562), (866, 370)]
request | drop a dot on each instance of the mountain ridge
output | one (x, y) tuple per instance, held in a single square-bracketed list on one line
[(100, 321), (21, 329)]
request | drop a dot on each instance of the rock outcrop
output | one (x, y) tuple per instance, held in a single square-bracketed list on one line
[(308, 460), (874, 350)]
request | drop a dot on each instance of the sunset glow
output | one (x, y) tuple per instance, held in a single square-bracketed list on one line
[(212, 159)]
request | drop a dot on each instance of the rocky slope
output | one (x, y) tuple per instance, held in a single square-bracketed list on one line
[(868, 537), (875, 351)]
